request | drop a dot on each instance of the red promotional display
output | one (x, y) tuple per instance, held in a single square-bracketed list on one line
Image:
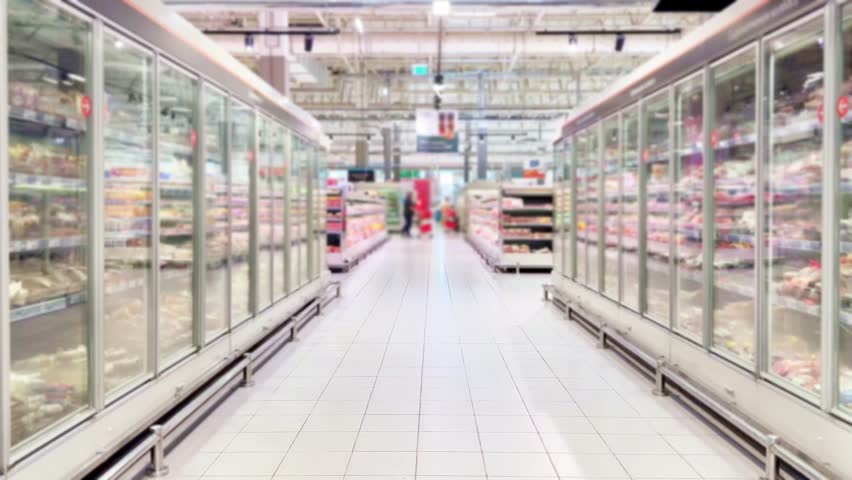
[(423, 192)]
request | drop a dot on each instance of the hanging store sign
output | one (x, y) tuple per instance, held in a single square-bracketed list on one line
[(533, 168), (420, 70), (436, 131)]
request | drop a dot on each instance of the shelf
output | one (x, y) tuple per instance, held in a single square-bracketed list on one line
[(26, 180), (528, 209), (45, 243), (46, 306), (526, 225), (57, 121)]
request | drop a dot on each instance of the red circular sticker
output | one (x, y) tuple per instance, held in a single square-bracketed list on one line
[(646, 155), (193, 137), (821, 113), (714, 138), (843, 106), (86, 105)]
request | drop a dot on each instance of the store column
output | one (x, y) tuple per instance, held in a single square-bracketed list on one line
[(387, 150)]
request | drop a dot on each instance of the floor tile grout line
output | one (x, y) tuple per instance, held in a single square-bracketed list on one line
[(342, 358), (517, 389), (378, 373), (423, 363), (467, 382)]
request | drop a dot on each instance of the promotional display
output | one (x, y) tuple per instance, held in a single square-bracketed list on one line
[(437, 131), (511, 226)]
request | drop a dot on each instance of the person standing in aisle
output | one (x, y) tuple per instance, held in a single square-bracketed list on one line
[(408, 214)]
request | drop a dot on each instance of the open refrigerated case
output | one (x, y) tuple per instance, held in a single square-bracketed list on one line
[(134, 218), (734, 207), (356, 225), (511, 226)]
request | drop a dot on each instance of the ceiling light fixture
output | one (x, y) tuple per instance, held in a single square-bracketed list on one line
[(359, 25), (118, 44), (619, 42), (441, 8), (572, 39), (249, 42)]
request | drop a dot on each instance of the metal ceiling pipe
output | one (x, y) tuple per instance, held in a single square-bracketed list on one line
[(331, 5)]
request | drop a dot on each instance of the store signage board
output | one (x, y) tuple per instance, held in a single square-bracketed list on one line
[(420, 70), (436, 131), (361, 175), (533, 168)]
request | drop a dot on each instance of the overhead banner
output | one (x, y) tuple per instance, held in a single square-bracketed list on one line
[(436, 131)]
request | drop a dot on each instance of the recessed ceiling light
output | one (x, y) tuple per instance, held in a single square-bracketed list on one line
[(441, 8)]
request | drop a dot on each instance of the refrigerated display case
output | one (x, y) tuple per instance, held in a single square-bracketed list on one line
[(218, 213), (794, 205), (128, 158), (581, 225), (278, 173), (610, 196), (265, 213), (357, 225), (177, 160), (630, 209), (297, 196), (241, 161), (733, 147), (567, 212), (656, 161), (742, 150), (50, 146), (688, 200), (123, 215)]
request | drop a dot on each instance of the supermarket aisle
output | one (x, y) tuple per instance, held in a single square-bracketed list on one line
[(432, 366)]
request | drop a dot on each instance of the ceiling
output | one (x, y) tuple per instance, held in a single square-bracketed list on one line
[(355, 83)]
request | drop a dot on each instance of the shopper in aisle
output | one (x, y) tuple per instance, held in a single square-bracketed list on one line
[(408, 214)]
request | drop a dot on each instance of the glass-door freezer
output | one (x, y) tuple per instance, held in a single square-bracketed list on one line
[(242, 157), (266, 212), (656, 163), (611, 206), (793, 193), (50, 145), (279, 212), (843, 326), (217, 213), (177, 163), (688, 201), (567, 211), (733, 147), (630, 208)]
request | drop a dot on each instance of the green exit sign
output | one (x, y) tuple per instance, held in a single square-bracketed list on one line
[(420, 70)]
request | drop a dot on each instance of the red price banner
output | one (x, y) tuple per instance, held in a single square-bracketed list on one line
[(843, 106), (714, 138), (86, 105), (193, 137), (646, 155), (821, 113)]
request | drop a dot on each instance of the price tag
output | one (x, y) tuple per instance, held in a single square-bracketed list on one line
[(843, 106), (193, 137), (646, 155), (821, 113), (86, 105), (714, 138)]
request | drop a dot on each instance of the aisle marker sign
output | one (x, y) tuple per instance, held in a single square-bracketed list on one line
[(843, 106), (436, 131), (420, 70), (86, 106)]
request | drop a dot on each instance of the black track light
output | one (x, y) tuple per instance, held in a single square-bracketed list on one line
[(437, 102), (619, 42), (249, 43), (572, 39), (309, 42)]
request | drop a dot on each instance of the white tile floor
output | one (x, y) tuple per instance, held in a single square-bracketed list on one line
[(432, 366)]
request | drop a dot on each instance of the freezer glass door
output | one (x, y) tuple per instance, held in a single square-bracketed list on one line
[(656, 159), (266, 212), (128, 194), (279, 213), (297, 212), (568, 247), (590, 208), (612, 205), (240, 163), (794, 207), (319, 210), (49, 57), (844, 295), (217, 213), (630, 209), (581, 249), (689, 190), (732, 140), (558, 159), (176, 143)]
